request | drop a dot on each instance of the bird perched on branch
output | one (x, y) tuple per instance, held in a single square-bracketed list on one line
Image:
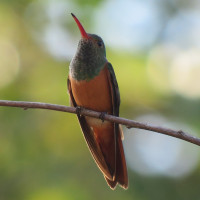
[(92, 84)]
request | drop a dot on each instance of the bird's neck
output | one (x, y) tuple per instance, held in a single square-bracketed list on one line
[(86, 66)]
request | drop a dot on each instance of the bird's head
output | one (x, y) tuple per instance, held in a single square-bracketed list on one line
[(91, 44)]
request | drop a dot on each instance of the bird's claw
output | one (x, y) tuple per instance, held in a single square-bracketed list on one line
[(102, 116), (78, 110)]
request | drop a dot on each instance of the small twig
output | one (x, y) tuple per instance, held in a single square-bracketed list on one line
[(128, 123)]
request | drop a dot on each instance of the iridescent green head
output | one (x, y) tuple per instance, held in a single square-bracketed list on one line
[(90, 56)]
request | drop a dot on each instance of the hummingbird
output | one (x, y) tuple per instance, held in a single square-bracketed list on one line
[(92, 85)]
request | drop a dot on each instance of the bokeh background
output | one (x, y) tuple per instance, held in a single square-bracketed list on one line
[(154, 46)]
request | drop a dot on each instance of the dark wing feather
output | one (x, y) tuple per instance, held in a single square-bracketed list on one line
[(121, 175), (90, 139), (114, 90), (115, 95)]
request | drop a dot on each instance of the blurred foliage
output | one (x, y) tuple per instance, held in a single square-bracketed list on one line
[(42, 153), (88, 2)]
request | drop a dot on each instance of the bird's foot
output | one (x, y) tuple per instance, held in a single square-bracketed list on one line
[(102, 116), (78, 110)]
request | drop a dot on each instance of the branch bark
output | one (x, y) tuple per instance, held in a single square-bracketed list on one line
[(128, 123)]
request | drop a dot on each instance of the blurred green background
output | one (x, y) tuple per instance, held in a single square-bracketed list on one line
[(154, 47)]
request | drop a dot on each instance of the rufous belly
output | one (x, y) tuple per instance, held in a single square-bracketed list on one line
[(94, 94)]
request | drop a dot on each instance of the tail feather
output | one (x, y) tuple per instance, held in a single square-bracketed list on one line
[(112, 184), (121, 175)]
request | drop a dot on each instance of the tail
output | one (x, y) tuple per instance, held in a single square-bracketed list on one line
[(121, 176), (110, 159)]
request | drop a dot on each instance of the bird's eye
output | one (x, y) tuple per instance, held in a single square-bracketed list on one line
[(100, 43)]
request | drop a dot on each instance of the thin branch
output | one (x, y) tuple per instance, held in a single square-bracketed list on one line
[(128, 123)]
